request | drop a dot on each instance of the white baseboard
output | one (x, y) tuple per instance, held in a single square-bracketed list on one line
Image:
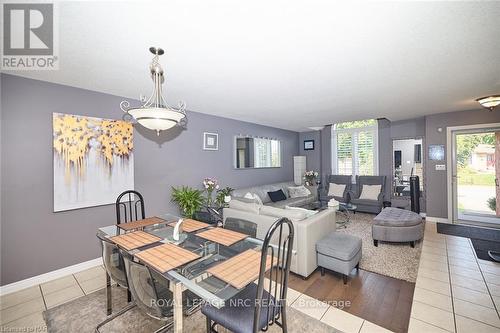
[(437, 219), (39, 279)]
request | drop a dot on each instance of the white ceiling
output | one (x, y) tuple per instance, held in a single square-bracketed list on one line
[(288, 64)]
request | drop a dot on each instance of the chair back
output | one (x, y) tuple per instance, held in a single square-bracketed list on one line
[(145, 289), (113, 261), (370, 180), (278, 244), (129, 207)]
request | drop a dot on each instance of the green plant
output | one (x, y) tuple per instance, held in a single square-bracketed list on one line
[(492, 203), (221, 195), (190, 200)]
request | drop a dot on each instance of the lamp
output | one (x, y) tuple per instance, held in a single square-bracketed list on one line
[(155, 114), (489, 102)]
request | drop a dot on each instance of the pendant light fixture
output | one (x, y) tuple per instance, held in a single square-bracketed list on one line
[(155, 114), (489, 102)]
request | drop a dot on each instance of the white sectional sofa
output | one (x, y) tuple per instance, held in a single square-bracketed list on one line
[(308, 230)]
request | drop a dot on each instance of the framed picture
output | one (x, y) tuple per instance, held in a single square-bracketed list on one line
[(436, 152), (210, 141), (308, 144)]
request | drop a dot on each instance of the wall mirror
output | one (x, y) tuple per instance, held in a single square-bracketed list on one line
[(254, 152), (407, 161)]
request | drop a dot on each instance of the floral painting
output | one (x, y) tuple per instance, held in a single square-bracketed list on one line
[(93, 160)]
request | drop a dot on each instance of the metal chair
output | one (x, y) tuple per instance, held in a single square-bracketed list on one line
[(130, 208), (260, 305), (115, 268)]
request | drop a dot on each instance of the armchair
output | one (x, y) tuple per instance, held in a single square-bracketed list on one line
[(368, 205), (336, 179)]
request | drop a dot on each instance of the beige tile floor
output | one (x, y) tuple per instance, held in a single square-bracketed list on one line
[(455, 291)]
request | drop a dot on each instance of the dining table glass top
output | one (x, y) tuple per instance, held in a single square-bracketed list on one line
[(194, 275)]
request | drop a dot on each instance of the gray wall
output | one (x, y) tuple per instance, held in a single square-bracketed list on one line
[(34, 240), (436, 181), (312, 156)]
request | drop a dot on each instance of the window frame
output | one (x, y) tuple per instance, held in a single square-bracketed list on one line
[(354, 132)]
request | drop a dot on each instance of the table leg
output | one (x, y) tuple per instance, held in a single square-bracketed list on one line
[(108, 294), (177, 295)]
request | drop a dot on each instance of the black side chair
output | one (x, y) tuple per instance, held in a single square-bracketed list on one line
[(115, 268), (261, 305), (129, 207)]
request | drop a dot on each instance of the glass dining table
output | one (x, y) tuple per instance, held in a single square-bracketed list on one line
[(193, 275)]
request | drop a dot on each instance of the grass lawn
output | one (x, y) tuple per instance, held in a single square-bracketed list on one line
[(467, 176)]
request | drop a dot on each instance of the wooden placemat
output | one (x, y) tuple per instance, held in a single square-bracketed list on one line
[(190, 225), (222, 236), (240, 270), (133, 240), (166, 257), (140, 223)]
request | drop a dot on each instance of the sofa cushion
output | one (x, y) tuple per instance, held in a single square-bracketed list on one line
[(251, 207), (294, 202), (370, 192), (339, 245), (298, 191), (262, 190), (396, 217), (276, 196), (293, 215), (365, 202), (251, 197), (336, 190), (308, 212)]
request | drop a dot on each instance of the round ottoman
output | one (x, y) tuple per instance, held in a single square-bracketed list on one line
[(397, 225)]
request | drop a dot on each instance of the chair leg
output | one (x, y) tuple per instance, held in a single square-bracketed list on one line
[(284, 328), (344, 277), (375, 242), (412, 244), (209, 325), (322, 271), (112, 317), (129, 296), (357, 267)]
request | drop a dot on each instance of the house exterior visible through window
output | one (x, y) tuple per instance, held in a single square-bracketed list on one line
[(355, 148)]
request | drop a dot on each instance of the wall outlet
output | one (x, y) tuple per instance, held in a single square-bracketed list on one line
[(440, 167)]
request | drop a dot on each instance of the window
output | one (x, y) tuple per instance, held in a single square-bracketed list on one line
[(354, 148), (267, 153)]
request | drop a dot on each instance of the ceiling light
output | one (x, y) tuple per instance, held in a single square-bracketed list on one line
[(489, 102), (155, 114)]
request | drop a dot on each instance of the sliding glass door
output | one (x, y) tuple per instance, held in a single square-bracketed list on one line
[(476, 176)]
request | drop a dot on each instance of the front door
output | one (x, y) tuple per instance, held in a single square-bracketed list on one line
[(476, 176)]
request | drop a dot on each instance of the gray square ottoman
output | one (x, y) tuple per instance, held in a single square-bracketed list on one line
[(397, 225), (339, 252)]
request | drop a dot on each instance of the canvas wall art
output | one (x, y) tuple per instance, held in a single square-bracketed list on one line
[(93, 160)]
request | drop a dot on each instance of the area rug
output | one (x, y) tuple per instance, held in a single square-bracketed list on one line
[(397, 260), (83, 314)]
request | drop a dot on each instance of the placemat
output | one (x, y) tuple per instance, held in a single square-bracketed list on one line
[(240, 270), (140, 223), (190, 225), (133, 240), (166, 257), (222, 236)]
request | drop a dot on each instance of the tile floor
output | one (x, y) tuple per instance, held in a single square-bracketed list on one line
[(455, 291)]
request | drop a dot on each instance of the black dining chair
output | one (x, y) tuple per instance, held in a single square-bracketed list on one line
[(260, 305), (129, 207), (115, 268)]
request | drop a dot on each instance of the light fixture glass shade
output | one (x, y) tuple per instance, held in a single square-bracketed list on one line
[(489, 102), (155, 114)]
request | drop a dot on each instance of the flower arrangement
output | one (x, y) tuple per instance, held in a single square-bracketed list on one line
[(310, 177), (210, 185)]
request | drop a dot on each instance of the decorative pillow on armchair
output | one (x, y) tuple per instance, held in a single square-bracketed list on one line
[(370, 192), (298, 191), (336, 190)]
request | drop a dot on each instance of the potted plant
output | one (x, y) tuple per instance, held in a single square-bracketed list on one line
[(210, 185), (223, 197), (190, 200), (310, 177)]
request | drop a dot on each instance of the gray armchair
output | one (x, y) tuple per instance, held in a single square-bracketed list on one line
[(366, 205), (336, 179)]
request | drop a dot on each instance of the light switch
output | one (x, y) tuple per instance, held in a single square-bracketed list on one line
[(440, 167)]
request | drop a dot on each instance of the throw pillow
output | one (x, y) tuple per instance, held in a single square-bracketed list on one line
[(298, 191), (293, 215), (251, 207), (251, 197), (276, 196), (308, 212), (336, 190), (370, 192)]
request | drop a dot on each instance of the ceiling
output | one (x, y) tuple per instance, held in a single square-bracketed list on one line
[(288, 64)]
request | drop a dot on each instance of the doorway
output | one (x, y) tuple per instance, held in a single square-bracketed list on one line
[(475, 173)]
